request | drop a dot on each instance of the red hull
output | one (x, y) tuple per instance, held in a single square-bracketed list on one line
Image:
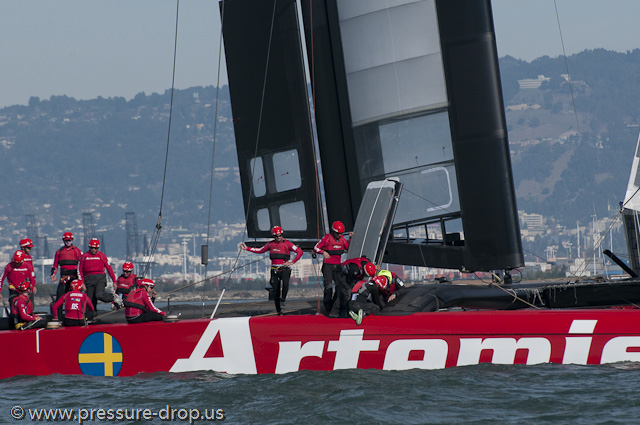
[(291, 343)]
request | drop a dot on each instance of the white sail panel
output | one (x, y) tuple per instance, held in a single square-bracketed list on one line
[(395, 49), (632, 198)]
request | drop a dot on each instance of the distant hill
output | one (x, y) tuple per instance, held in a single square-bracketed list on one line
[(62, 157)]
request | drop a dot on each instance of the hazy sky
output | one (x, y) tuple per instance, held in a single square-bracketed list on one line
[(90, 48)]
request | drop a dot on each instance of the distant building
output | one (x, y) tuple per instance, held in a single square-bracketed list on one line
[(530, 83)]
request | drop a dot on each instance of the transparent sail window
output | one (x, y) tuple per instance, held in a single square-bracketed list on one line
[(258, 180), (416, 142), (286, 167), (427, 193), (293, 216), (264, 222)]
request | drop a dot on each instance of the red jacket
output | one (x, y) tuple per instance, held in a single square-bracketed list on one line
[(279, 252), (28, 261), (75, 304), (94, 264), (335, 248), (137, 302), (22, 308), (126, 282), (16, 274), (66, 258)]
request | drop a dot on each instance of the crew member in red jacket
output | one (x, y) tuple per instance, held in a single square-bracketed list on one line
[(126, 281), (67, 259), (22, 309), (92, 271), (16, 272), (280, 254), (367, 297), (332, 246), (138, 305), (76, 302), (26, 245)]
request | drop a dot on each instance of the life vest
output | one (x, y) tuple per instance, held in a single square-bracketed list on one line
[(353, 268), (69, 257), (279, 251), (126, 283), (134, 303)]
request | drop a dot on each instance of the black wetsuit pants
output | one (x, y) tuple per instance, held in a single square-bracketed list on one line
[(331, 273), (280, 281), (96, 290)]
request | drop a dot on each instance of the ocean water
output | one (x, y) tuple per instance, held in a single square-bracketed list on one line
[(482, 394)]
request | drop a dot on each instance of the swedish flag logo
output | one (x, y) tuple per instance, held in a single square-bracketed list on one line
[(100, 355)]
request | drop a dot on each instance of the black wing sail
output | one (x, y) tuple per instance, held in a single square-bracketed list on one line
[(412, 91), (272, 121)]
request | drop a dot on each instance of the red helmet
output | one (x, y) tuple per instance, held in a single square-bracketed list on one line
[(381, 281), (76, 284), (26, 243), (337, 227), (127, 266), (370, 269), (18, 257), (24, 286), (94, 243), (67, 236), (277, 231), (147, 282)]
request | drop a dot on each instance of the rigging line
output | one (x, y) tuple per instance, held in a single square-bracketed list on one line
[(215, 126), (319, 201), (566, 65), (404, 189), (255, 152), (166, 157), (212, 277)]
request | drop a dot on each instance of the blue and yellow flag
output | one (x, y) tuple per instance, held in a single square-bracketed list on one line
[(100, 355)]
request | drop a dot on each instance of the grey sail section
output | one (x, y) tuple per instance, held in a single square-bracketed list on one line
[(411, 90), (374, 221), (272, 121)]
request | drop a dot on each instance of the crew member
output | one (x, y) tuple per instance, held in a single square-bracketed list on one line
[(396, 285), (138, 305), (92, 270), (353, 270), (76, 302), (26, 245), (332, 246), (16, 272), (280, 254), (126, 281), (67, 258), (367, 297), (22, 309)]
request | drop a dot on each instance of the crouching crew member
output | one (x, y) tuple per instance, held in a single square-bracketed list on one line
[(280, 253), (22, 309), (367, 297), (67, 259), (15, 273), (395, 287), (353, 270), (76, 302), (92, 271), (332, 246), (138, 305), (126, 281)]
